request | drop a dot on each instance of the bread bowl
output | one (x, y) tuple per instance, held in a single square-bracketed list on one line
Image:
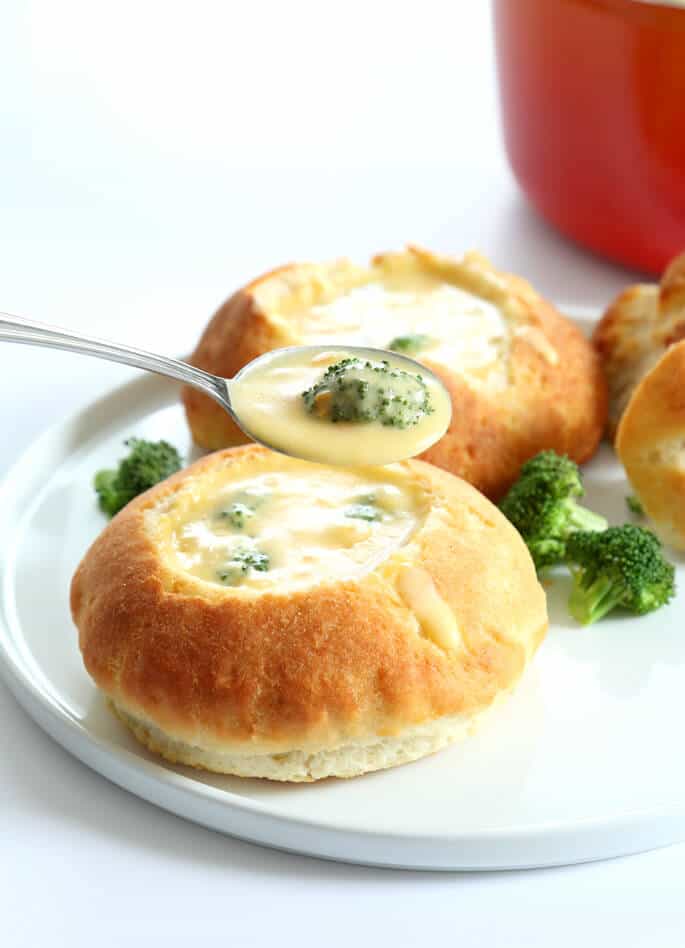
[(368, 641), (521, 376), (650, 442), (635, 331)]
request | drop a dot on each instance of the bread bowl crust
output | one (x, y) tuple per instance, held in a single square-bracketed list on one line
[(557, 403), (634, 332), (650, 442), (315, 668)]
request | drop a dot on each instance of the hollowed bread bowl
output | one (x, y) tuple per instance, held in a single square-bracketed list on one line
[(381, 645), (521, 376)]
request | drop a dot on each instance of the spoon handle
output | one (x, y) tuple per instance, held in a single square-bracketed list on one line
[(28, 332)]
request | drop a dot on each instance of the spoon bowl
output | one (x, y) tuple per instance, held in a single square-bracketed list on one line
[(273, 415)]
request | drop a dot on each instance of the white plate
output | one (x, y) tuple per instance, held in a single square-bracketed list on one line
[(583, 762)]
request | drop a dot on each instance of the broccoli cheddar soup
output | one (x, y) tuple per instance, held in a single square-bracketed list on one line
[(339, 407), (293, 528)]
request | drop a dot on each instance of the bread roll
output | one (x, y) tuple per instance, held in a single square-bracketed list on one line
[(262, 616), (635, 331), (650, 442), (522, 378)]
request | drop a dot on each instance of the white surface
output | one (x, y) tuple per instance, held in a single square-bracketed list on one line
[(515, 795), (154, 155)]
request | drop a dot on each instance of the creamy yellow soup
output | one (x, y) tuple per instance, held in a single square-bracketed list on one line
[(285, 529), (457, 329), (268, 397)]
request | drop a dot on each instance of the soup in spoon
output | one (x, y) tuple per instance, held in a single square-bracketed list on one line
[(341, 406)]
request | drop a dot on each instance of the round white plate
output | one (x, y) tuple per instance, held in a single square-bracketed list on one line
[(583, 762)]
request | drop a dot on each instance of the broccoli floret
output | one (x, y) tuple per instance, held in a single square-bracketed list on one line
[(363, 512), (240, 564), (105, 483), (411, 344), (147, 463), (634, 506), (620, 567), (237, 514), (542, 507), (358, 390)]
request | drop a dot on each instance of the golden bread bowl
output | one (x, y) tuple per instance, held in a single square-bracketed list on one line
[(635, 331), (263, 616), (522, 378), (650, 442)]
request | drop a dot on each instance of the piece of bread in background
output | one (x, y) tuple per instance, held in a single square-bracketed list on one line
[(650, 442), (521, 376), (339, 657), (634, 332)]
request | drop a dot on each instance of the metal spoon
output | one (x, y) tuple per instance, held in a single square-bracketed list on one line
[(28, 332)]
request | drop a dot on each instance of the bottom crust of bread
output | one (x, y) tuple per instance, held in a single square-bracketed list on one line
[(300, 766)]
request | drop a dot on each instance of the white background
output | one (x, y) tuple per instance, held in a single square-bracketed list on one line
[(153, 156)]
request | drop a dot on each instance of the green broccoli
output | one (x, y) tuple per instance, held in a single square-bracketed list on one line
[(147, 463), (359, 390), (634, 505), (620, 567), (542, 507), (241, 562), (237, 514), (363, 512), (410, 344)]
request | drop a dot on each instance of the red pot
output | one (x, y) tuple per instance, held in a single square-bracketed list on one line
[(593, 101)]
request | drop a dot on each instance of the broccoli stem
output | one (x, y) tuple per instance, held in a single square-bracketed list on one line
[(582, 519), (589, 604)]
